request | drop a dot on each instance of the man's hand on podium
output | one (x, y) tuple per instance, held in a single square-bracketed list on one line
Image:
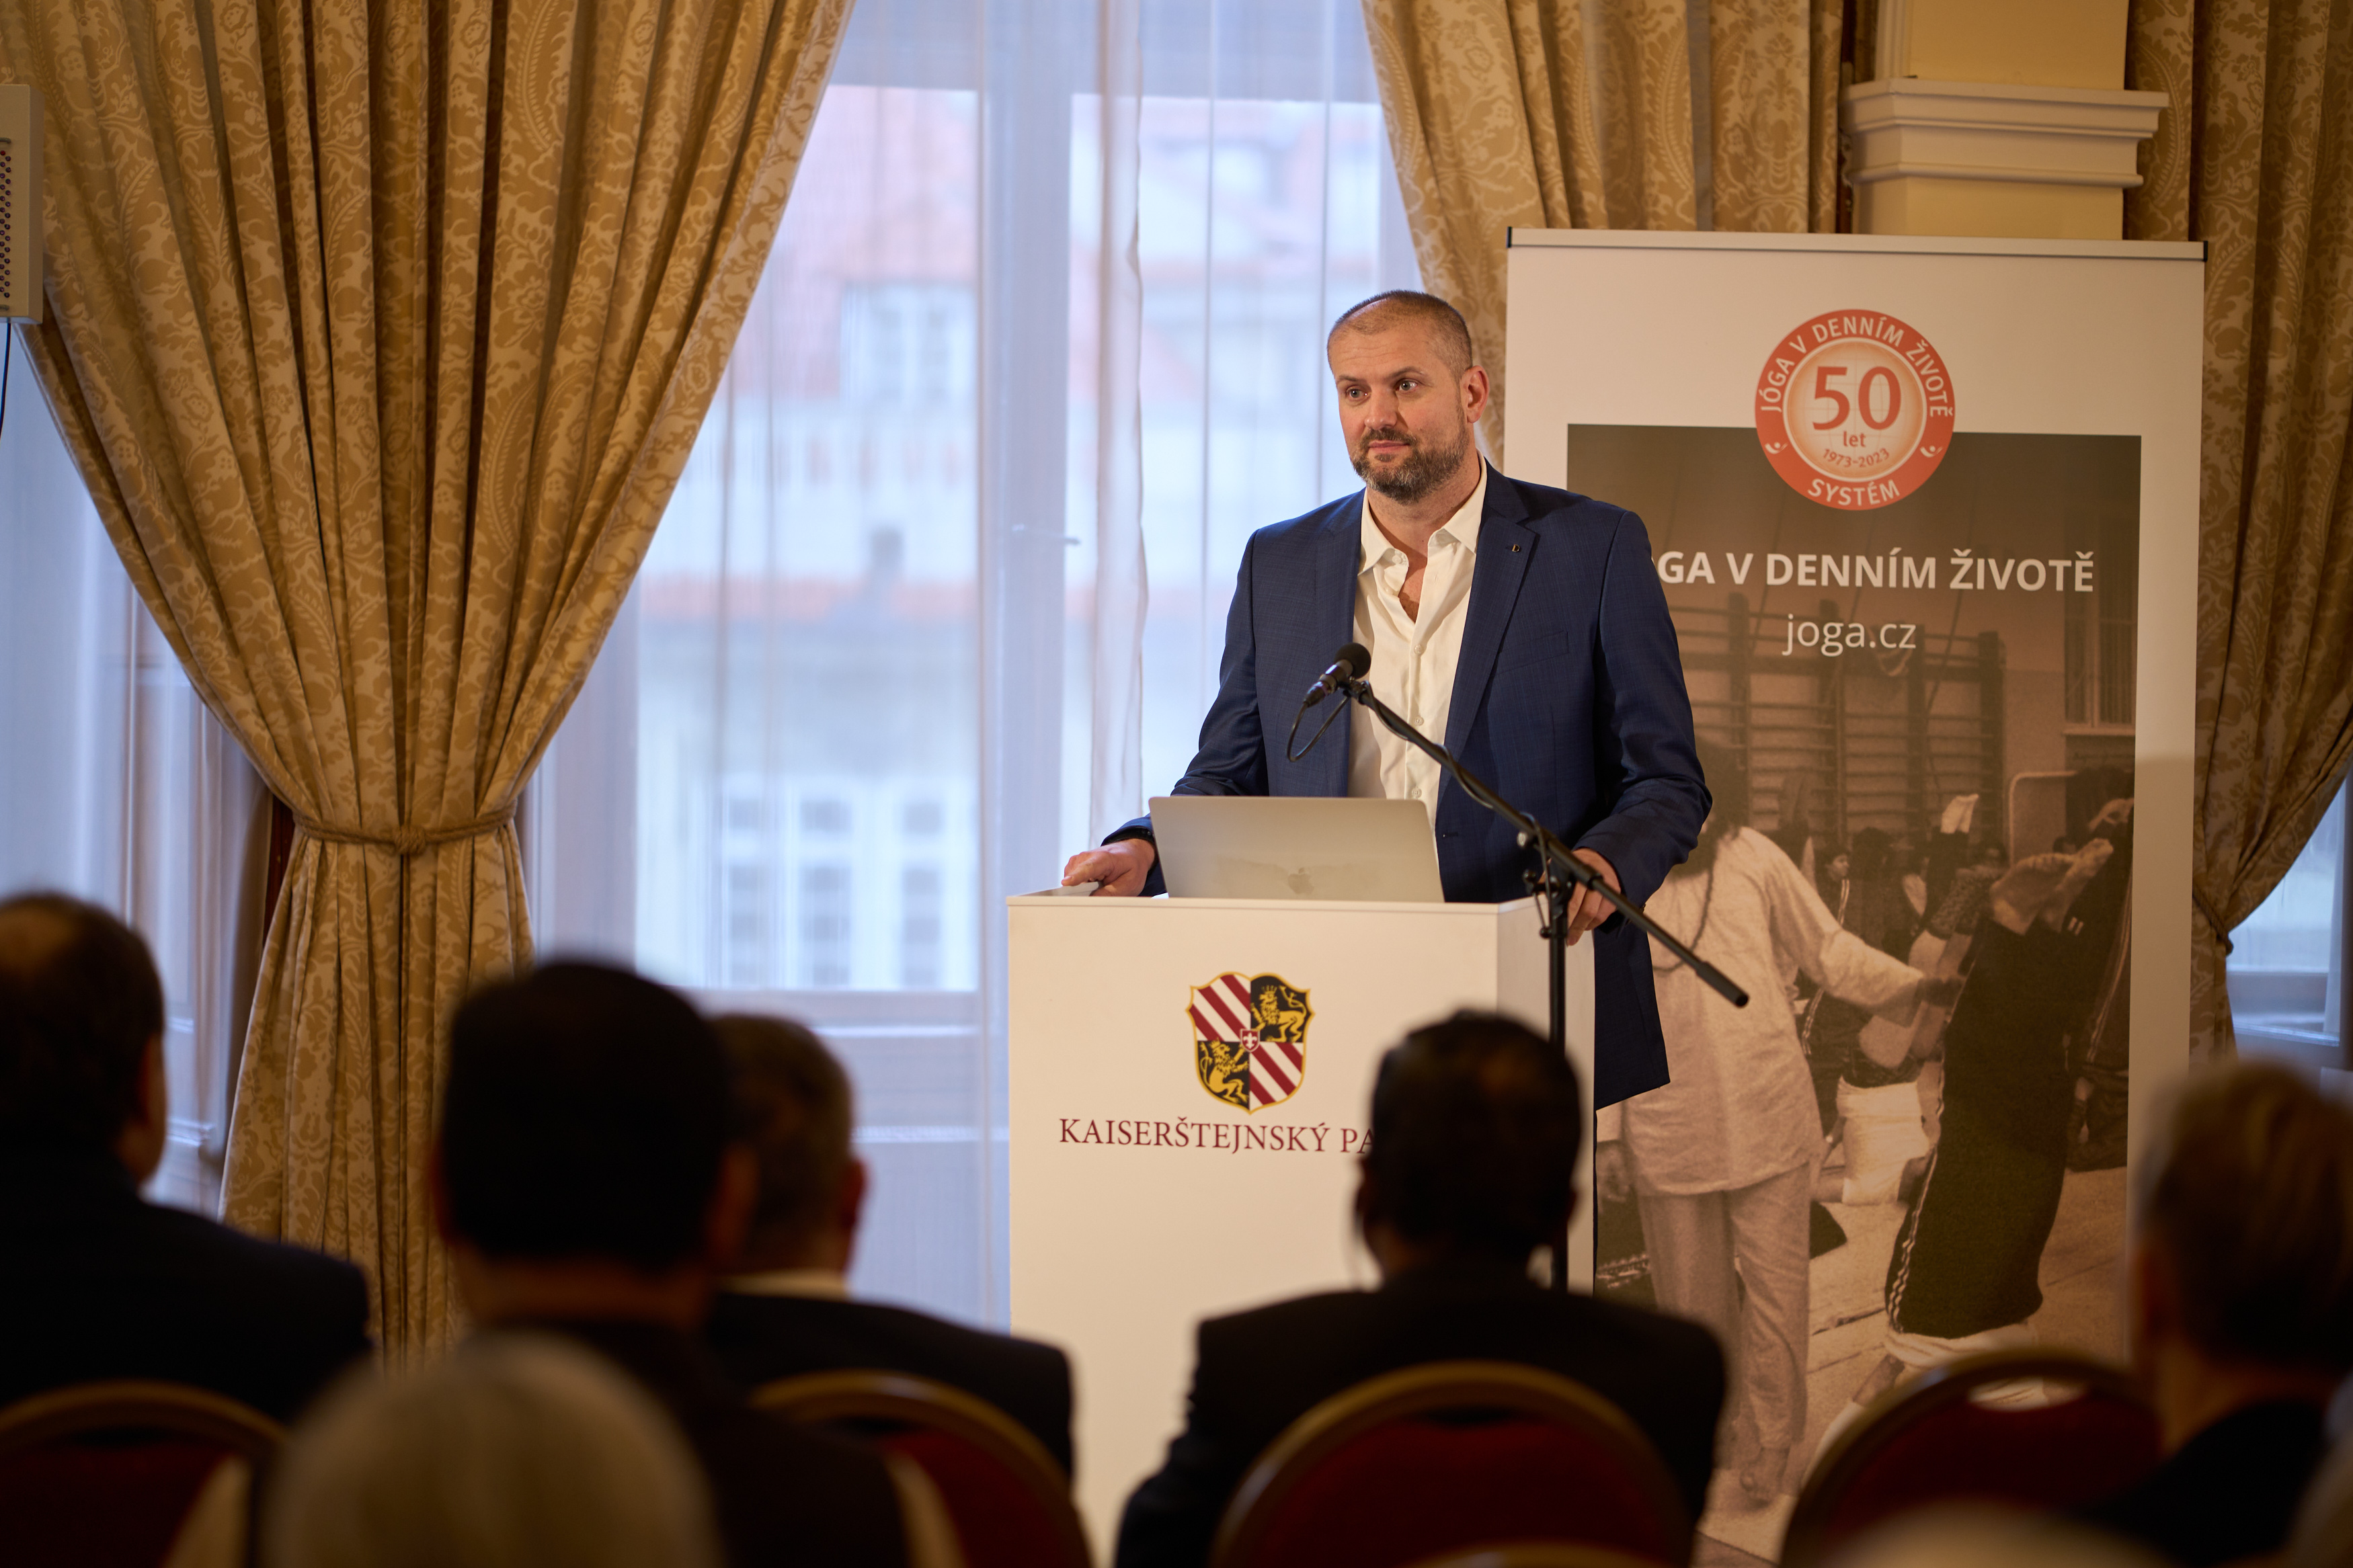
[(1120, 867), (1587, 908)]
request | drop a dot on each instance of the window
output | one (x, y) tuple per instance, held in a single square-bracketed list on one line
[(2288, 959), (2103, 626), (919, 927), (851, 697), (116, 784), (908, 343), (825, 926)]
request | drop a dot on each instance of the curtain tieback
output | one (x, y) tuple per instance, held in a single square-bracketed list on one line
[(408, 839), (2206, 907)]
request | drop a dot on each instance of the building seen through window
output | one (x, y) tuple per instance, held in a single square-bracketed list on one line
[(850, 707)]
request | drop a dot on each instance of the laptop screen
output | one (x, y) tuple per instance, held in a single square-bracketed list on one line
[(1296, 846)]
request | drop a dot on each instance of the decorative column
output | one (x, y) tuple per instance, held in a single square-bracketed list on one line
[(1996, 117)]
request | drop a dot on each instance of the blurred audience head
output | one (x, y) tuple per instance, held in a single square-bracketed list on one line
[(2243, 1269), (793, 1109), (81, 1033), (1476, 1123), (583, 1149), (514, 1450), (1966, 1537)]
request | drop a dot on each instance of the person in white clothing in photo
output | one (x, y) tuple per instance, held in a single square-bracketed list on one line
[(1722, 1161)]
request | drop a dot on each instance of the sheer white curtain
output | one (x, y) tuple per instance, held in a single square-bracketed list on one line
[(941, 595), (116, 785)]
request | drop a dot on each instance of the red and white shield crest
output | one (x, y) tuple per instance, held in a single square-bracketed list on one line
[(1250, 1039)]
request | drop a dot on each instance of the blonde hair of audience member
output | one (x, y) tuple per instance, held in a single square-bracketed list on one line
[(1988, 1537), (515, 1449), (2241, 1264)]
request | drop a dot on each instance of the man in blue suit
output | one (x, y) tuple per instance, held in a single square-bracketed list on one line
[(1522, 625)]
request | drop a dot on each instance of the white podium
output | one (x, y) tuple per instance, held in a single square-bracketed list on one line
[(1191, 1084)]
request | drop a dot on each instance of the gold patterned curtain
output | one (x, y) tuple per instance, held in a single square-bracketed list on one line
[(2256, 158), (1508, 113), (380, 334)]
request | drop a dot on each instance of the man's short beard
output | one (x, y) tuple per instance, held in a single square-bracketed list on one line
[(1422, 471)]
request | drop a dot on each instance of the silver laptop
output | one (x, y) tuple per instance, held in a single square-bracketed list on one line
[(1296, 846)]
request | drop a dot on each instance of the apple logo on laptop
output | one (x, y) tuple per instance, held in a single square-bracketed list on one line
[(1301, 883)]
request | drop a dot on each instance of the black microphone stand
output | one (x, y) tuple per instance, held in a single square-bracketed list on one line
[(1556, 867), (1548, 879)]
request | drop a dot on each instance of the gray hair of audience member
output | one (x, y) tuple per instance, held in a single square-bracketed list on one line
[(1979, 1537), (2323, 1537), (791, 1106), (2247, 1193), (516, 1450)]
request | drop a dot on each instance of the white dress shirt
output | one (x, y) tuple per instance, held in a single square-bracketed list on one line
[(1738, 1107), (1413, 658)]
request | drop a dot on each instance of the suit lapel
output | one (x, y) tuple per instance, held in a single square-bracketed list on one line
[(1337, 546), (1505, 545)]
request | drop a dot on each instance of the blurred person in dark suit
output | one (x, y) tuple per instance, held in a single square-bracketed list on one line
[(787, 1309), (2241, 1310), (95, 1282), (1475, 1127), (587, 1184)]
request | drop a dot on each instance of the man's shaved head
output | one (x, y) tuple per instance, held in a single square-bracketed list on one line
[(1399, 306)]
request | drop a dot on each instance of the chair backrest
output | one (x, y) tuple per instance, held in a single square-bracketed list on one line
[(1009, 1501), (1938, 1441), (1534, 1554), (1449, 1457), (101, 1475)]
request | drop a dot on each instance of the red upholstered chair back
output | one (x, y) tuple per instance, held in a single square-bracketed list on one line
[(1449, 1456), (1009, 1501), (102, 1475), (1936, 1442), (1533, 1555)]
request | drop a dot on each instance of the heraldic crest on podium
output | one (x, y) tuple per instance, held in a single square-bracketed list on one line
[(1250, 1039)]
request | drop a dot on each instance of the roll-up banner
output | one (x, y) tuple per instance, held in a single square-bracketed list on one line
[(1925, 513)]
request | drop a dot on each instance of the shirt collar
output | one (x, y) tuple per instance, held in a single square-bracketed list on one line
[(1462, 528), (819, 1284)]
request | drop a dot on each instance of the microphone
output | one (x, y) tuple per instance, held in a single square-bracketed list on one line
[(1349, 664)]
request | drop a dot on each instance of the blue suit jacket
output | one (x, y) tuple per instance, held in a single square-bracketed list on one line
[(1569, 699)]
